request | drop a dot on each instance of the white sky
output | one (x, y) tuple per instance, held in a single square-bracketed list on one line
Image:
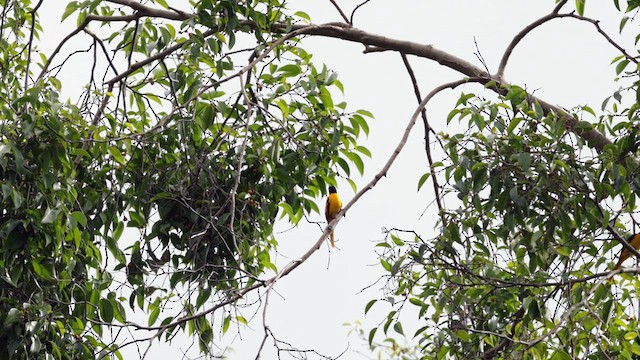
[(565, 60)]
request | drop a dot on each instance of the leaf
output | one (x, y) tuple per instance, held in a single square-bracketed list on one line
[(155, 312), (369, 305), (290, 70), (50, 216), (372, 334), (303, 15), (70, 9), (226, 323), (623, 22), (422, 180), (385, 264), (357, 160), (580, 7), (513, 124), (12, 317), (621, 66), (398, 328), (365, 113), (106, 310), (117, 155), (80, 217), (325, 97)]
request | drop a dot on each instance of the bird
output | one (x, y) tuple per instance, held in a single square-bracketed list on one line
[(633, 240), (332, 208)]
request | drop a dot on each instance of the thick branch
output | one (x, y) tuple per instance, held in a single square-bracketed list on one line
[(596, 139), (153, 12)]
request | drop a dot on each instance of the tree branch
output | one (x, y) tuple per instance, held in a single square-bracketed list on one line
[(427, 131), (153, 12)]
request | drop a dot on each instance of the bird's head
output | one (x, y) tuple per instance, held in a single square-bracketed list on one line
[(332, 189)]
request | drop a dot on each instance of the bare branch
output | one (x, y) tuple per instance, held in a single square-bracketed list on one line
[(427, 131), (356, 9), (593, 137), (153, 12), (31, 34), (519, 36), (554, 15), (346, 19)]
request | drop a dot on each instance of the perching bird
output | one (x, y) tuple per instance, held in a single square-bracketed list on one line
[(633, 240), (332, 208)]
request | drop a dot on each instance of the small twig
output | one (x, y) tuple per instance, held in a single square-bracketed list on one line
[(478, 54), (356, 9), (346, 19), (31, 34), (427, 131), (554, 15)]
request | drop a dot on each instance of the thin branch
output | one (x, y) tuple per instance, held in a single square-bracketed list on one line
[(593, 137), (427, 131), (519, 36), (596, 23), (356, 9), (31, 35), (554, 15), (154, 12), (559, 6), (346, 19)]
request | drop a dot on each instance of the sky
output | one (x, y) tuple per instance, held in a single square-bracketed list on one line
[(565, 62)]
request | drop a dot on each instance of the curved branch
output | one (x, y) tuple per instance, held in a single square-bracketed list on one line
[(269, 283), (427, 144), (342, 14), (593, 137), (144, 10), (554, 15), (519, 36)]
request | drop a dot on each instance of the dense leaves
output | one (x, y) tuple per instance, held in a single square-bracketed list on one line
[(163, 182), (517, 267)]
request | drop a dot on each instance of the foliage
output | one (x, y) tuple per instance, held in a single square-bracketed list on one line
[(177, 146), (517, 266)]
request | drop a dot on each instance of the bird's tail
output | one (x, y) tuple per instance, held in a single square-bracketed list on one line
[(332, 241)]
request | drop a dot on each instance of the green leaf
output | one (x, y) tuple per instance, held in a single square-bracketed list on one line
[(372, 334), (357, 160), (513, 124), (303, 15), (621, 66), (12, 317), (70, 9), (422, 180), (369, 305), (50, 215), (398, 328), (225, 324), (623, 22), (80, 217), (290, 70), (117, 155), (365, 113), (580, 7), (106, 310), (153, 316)]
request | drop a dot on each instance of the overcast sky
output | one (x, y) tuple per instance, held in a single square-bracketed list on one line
[(565, 61)]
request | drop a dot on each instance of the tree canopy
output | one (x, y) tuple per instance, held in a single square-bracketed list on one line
[(155, 187)]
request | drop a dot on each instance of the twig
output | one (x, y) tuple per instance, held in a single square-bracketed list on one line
[(346, 19), (355, 9), (555, 15), (31, 34), (427, 131)]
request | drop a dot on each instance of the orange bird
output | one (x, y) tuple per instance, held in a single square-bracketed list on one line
[(633, 240), (332, 208)]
